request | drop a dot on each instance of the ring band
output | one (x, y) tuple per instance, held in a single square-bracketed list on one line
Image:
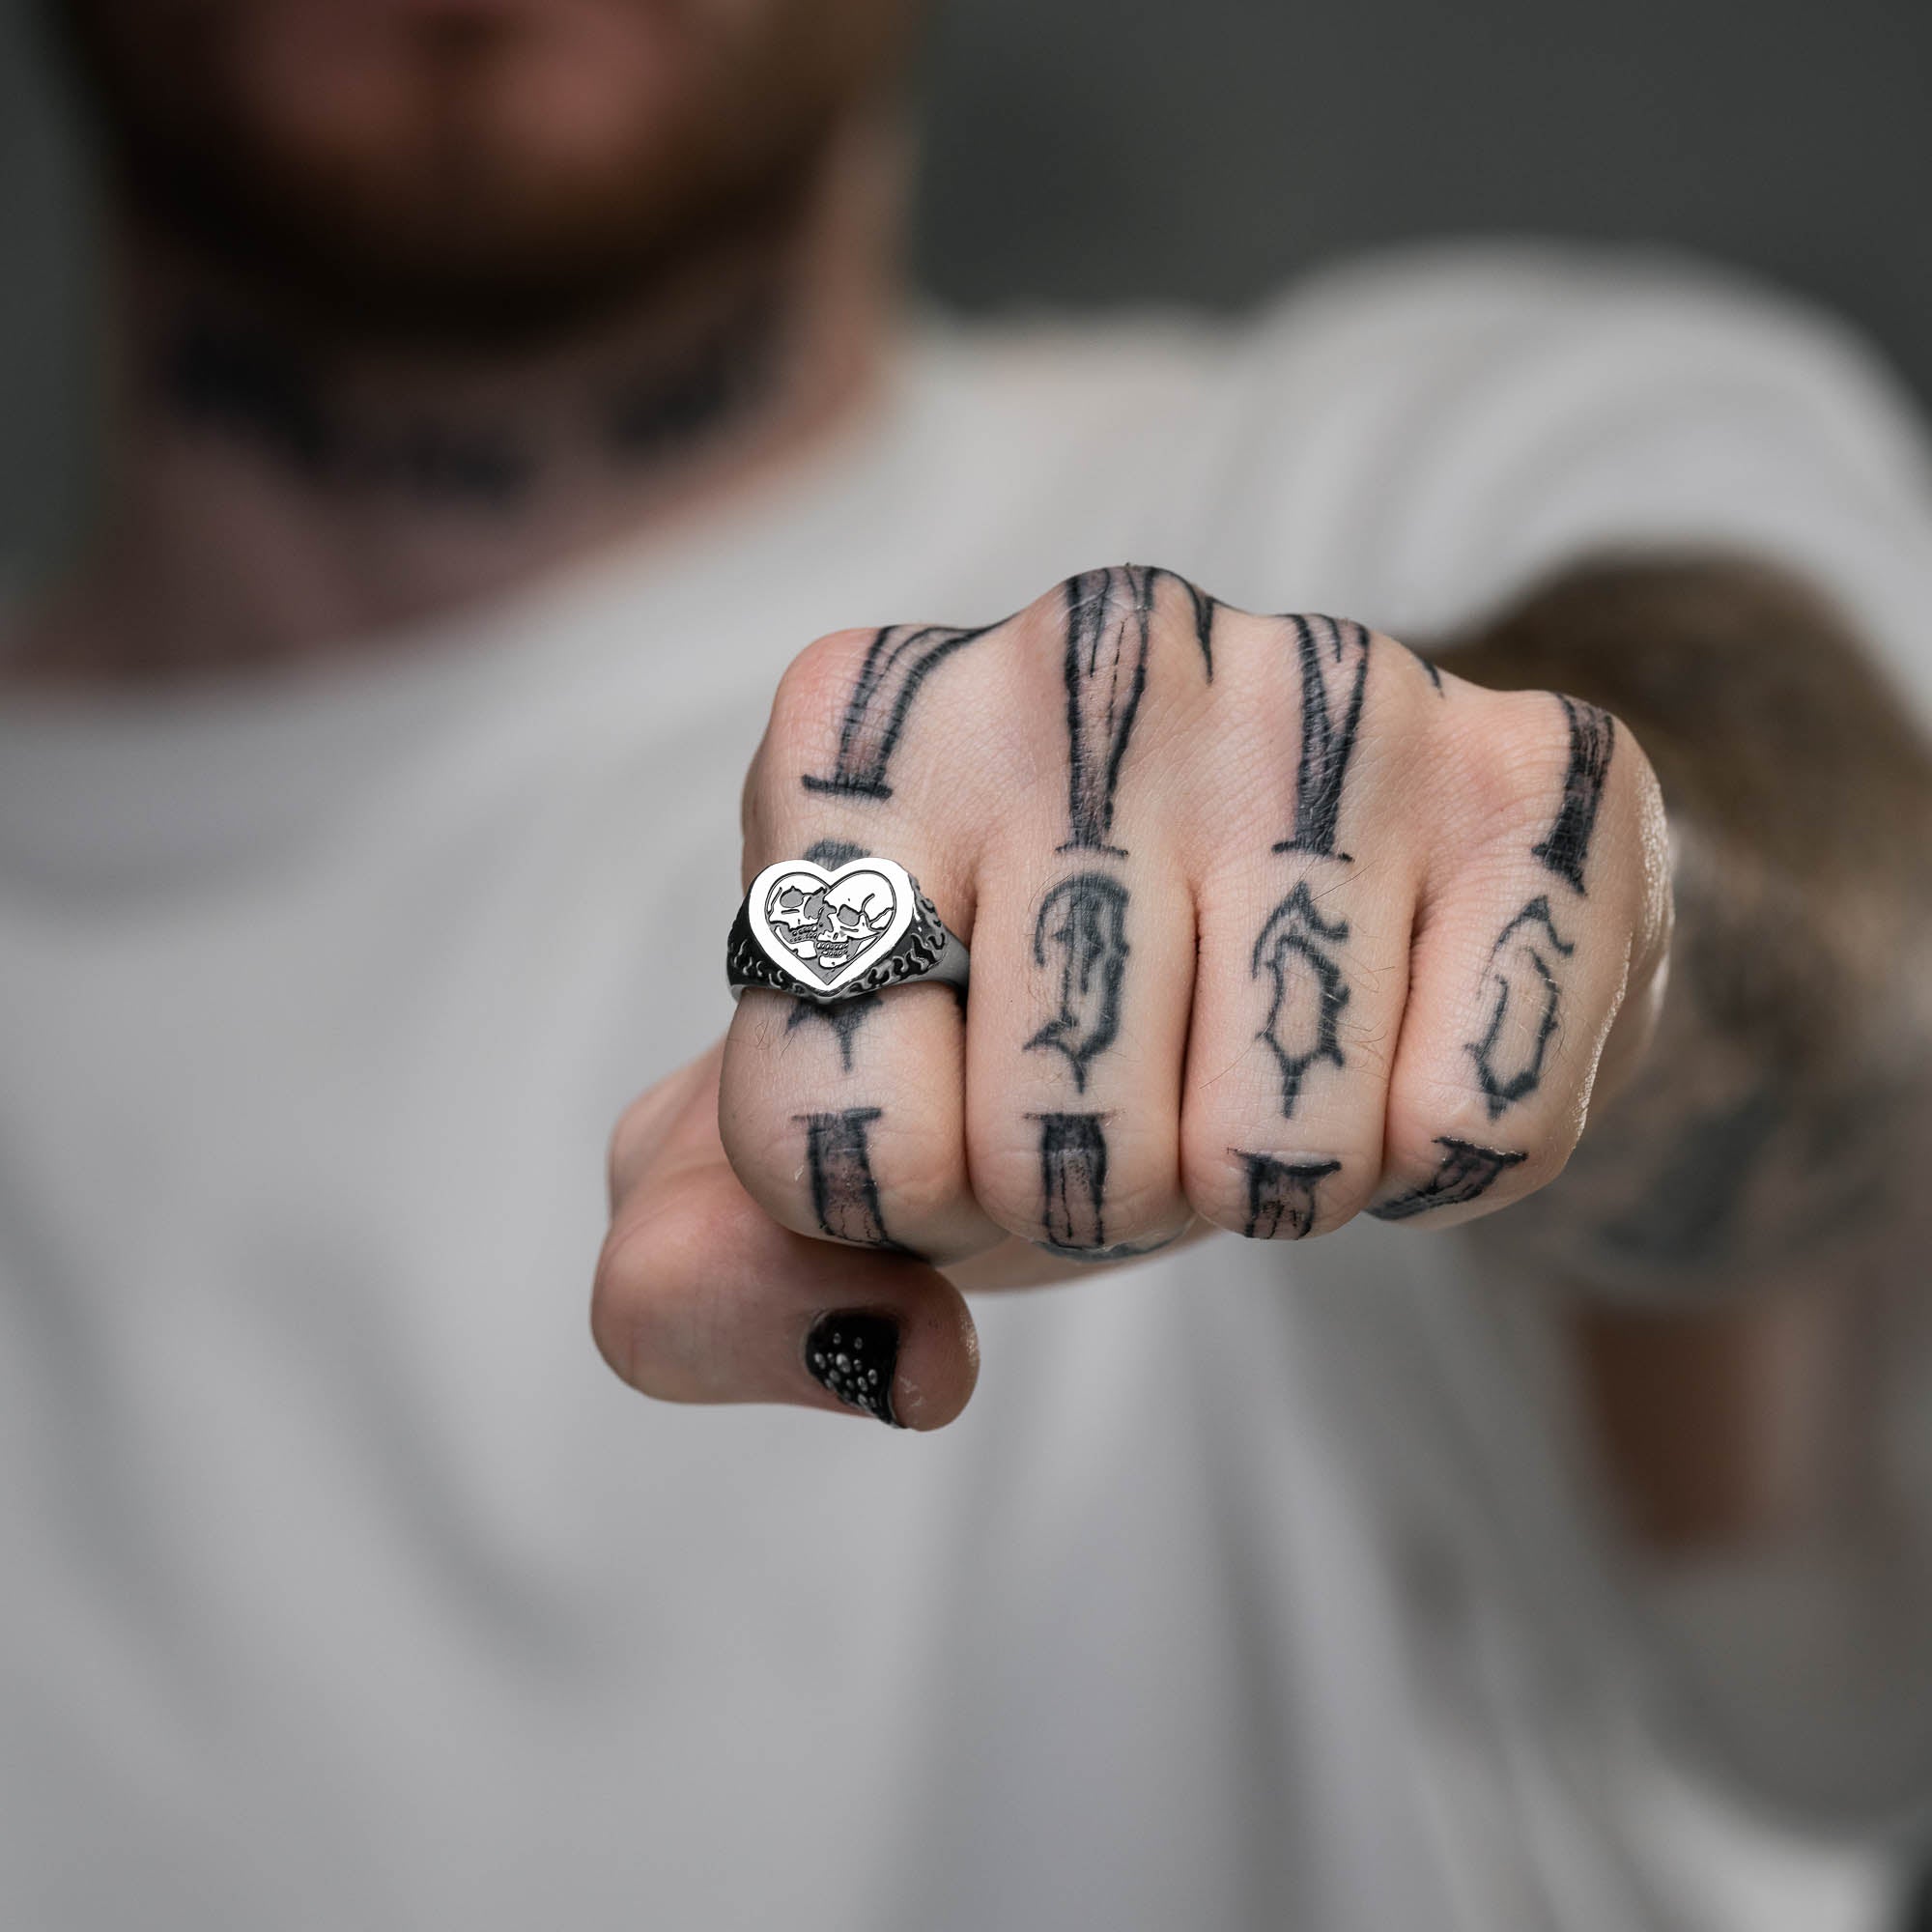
[(826, 935)]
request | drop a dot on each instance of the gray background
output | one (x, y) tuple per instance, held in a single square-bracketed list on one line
[(1205, 150)]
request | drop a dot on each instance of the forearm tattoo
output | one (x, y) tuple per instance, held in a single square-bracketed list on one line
[(843, 1017), (1302, 1027), (844, 1195), (901, 657), (1281, 1194), (1688, 1215), (1109, 634), (1334, 655), (1465, 1172), (1523, 1006), (1081, 935), (1592, 739)]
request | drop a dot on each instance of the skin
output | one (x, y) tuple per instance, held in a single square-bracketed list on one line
[(1311, 929)]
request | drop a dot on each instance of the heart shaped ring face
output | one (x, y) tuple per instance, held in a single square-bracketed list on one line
[(824, 928)]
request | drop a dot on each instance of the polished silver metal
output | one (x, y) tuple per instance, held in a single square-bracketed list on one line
[(824, 934)]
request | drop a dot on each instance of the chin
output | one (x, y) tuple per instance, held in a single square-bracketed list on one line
[(427, 164)]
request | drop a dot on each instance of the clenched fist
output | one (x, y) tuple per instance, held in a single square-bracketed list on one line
[(1271, 925)]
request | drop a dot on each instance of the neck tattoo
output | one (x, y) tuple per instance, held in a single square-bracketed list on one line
[(228, 377)]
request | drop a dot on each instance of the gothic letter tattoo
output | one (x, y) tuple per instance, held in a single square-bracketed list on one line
[(897, 661), (1073, 1180), (844, 1016), (1309, 989), (1205, 608), (1084, 920), (1509, 1056), (1109, 625), (1334, 679), (1465, 1172), (1281, 1194), (844, 1196), (1591, 738)]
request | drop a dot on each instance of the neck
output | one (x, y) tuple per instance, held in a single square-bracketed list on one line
[(277, 495)]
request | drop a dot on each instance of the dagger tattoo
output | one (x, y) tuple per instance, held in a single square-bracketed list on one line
[(1303, 1017), (1508, 1057), (1083, 921)]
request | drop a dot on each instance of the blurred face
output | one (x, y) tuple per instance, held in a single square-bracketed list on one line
[(479, 166)]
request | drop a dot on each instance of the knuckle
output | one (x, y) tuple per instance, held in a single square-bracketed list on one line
[(1517, 744), (812, 688), (1291, 1196)]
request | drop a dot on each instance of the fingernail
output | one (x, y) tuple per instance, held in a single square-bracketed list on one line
[(853, 1355)]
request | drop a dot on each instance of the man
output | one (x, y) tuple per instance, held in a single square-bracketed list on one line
[(508, 390)]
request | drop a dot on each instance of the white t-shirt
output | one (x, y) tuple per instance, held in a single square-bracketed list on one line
[(1264, 1587)]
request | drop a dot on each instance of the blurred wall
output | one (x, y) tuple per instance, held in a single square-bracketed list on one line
[(1203, 149)]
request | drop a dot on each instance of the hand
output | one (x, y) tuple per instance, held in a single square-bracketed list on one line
[(1272, 924)]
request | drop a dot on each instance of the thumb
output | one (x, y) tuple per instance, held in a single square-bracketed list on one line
[(700, 1296)]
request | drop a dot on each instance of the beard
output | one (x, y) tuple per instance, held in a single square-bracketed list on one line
[(481, 173)]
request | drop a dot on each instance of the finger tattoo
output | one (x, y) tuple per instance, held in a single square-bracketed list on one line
[(1109, 630), (844, 1195), (1073, 1182), (1082, 931), (1465, 1172), (1334, 654), (1205, 608), (1592, 739), (1303, 1018), (1281, 1194), (898, 660), (1522, 1017)]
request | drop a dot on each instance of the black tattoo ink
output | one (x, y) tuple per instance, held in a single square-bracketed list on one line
[(844, 1196), (1281, 1194), (1592, 739), (1303, 1018), (1085, 919), (1205, 608), (900, 660), (854, 1355), (1433, 669), (1073, 1182), (244, 381), (1334, 658), (844, 1016), (1465, 1171), (1109, 628), (660, 413), (1508, 1057)]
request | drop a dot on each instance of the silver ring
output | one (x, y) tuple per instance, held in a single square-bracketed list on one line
[(826, 935)]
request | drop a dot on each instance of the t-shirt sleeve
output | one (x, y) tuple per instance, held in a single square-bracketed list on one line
[(1489, 417), (1490, 423)]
